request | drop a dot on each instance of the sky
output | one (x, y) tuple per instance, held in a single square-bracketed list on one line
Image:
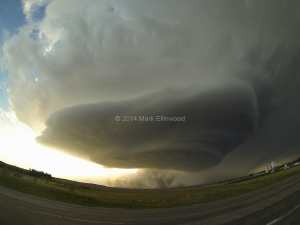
[(96, 83)]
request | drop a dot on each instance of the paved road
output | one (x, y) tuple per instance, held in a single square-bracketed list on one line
[(276, 204)]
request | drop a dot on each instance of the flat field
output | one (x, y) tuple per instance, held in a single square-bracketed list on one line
[(100, 196)]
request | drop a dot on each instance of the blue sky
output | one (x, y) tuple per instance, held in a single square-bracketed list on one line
[(11, 18)]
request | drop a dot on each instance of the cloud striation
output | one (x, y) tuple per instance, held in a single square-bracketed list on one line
[(216, 121)]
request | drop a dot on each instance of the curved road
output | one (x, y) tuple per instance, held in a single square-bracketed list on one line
[(276, 204)]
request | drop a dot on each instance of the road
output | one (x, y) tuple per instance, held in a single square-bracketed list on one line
[(276, 204)]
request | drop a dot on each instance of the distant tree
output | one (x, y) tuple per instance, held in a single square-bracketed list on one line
[(38, 174), (72, 187)]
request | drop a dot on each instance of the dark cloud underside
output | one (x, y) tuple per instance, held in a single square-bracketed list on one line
[(216, 121)]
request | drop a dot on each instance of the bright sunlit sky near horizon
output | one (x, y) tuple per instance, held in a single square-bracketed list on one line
[(18, 147), (17, 141), (69, 68)]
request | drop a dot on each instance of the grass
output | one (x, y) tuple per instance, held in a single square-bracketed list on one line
[(101, 196)]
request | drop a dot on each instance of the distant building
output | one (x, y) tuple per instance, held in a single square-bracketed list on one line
[(286, 166), (270, 168), (267, 169), (297, 163), (273, 166)]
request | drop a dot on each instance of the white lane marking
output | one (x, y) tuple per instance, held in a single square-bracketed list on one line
[(274, 221)]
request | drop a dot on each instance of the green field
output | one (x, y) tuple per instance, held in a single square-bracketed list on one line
[(101, 196)]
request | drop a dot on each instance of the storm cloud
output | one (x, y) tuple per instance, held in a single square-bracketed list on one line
[(215, 122), (82, 52), (229, 67)]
